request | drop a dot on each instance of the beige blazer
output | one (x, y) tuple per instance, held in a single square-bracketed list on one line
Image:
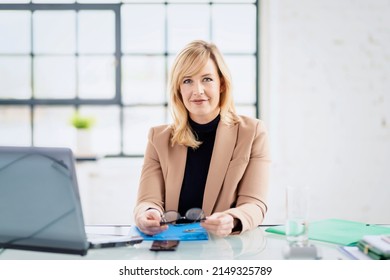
[(237, 181)]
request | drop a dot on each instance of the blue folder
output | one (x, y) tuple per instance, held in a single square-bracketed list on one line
[(182, 232)]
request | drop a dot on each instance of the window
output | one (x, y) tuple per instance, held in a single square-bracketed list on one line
[(110, 60)]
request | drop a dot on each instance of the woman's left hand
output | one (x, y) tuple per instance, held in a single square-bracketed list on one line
[(219, 224)]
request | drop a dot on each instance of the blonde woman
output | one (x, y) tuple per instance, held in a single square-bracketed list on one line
[(209, 158)]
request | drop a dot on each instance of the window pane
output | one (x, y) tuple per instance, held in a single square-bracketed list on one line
[(15, 32), (52, 126), (96, 32), (96, 76), (143, 79), (234, 27), (140, 34), (234, 1), (53, 1), (197, 1), (137, 1), (243, 71), (184, 27), (137, 122), (98, 1), (105, 133), (171, 59), (54, 32), (54, 77), (14, 1), (249, 111), (188, 1), (15, 127), (15, 77)]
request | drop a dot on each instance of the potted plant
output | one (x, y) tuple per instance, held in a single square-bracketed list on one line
[(83, 124)]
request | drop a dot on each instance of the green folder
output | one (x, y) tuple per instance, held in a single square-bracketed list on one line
[(371, 251), (342, 232)]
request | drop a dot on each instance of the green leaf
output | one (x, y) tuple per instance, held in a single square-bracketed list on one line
[(82, 122)]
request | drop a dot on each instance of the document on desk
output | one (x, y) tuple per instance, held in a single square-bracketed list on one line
[(182, 232), (354, 253), (342, 232), (108, 230)]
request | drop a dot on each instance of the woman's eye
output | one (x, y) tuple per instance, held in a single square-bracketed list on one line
[(207, 79), (186, 81)]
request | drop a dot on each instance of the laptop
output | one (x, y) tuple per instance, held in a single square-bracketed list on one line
[(40, 207)]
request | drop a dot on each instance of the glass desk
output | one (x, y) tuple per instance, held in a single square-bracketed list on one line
[(252, 245)]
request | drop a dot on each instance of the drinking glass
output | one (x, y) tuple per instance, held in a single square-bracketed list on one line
[(297, 213)]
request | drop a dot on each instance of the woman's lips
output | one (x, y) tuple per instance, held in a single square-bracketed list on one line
[(199, 101)]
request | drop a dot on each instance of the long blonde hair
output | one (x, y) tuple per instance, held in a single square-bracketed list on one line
[(189, 62)]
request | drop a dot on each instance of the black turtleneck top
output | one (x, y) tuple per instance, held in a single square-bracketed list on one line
[(197, 166)]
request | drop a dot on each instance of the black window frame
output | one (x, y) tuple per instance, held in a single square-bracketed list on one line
[(118, 54)]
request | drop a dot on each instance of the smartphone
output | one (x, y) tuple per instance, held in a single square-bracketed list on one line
[(164, 245)]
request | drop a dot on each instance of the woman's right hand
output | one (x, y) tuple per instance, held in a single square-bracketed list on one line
[(149, 222)]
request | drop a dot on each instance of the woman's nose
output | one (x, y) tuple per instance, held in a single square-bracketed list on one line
[(198, 88)]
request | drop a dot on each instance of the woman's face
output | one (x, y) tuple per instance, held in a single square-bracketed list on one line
[(201, 93)]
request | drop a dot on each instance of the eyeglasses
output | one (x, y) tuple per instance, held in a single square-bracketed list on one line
[(192, 215)]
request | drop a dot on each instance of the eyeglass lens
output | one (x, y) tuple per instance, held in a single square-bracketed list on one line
[(170, 217), (194, 214)]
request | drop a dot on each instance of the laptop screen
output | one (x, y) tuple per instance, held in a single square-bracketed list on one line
[(40, 207)]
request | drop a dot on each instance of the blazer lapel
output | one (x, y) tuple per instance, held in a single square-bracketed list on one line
[(175, 174), (225, 141)]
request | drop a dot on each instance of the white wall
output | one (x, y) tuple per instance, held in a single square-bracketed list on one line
[(326, 100), (108, 190)]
